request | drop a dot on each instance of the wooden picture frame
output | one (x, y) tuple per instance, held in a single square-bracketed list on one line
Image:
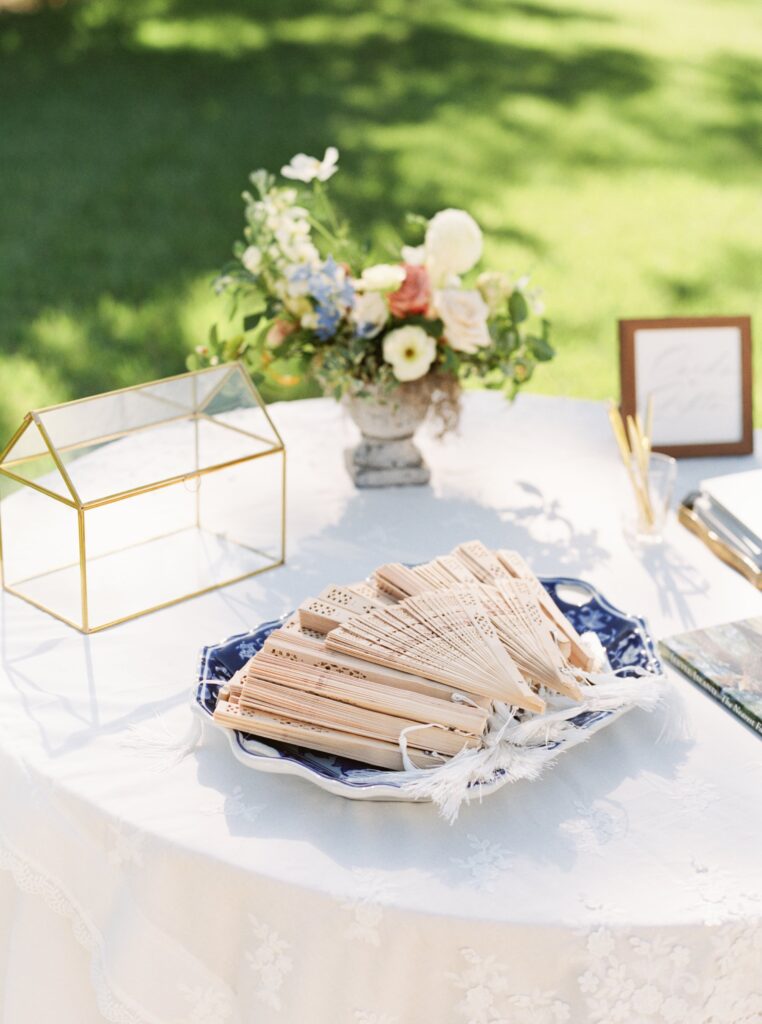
[(699, 370)]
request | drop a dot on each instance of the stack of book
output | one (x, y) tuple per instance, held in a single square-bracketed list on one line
[(726, 513), (410, 664), (726, 662)]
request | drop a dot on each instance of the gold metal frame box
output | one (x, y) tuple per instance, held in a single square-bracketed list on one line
[(120, 504)]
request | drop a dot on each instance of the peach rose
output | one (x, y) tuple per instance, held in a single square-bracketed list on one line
[(413, 296)]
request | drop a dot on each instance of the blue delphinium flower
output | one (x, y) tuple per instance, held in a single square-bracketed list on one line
[(329, 287), (329, 318)]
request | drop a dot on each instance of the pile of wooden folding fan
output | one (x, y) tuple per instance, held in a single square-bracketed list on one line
[(408, 669)]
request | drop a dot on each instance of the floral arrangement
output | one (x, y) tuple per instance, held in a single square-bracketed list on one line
[(353, 324)]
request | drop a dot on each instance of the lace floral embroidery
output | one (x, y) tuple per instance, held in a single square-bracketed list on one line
[(481, 982), (538, 1008), (269, 961), (29, 880), (366, 906), (596, 826), (210, 1005), (631, 980), (715, 892), (487, 1000), (735, 995), (238, 805), (485, 865), (235, 804)]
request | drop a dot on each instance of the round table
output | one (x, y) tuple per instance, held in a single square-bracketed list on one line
[(624, 885)]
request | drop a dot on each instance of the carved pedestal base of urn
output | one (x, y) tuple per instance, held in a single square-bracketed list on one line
[(387, 456)]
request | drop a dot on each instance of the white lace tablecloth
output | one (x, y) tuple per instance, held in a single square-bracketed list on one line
[(623, 886)]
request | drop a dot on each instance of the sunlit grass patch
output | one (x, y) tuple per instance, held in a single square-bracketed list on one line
[(612, 149)]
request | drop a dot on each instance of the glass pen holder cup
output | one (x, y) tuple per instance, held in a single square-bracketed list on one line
[(649, 496)]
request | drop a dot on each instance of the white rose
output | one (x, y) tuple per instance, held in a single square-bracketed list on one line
[(411, 351), (369, 314), (464, 315), (383, 277), (252, 259), (307, 168), (453, 244)]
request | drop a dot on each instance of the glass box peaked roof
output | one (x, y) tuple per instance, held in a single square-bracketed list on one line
[(140, 438)]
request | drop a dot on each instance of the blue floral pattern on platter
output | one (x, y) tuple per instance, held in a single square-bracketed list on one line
[(625, 639)]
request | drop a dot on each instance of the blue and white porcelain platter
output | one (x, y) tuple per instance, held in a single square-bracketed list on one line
[(625, 638)]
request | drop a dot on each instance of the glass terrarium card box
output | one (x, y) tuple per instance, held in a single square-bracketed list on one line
[(120, 504)]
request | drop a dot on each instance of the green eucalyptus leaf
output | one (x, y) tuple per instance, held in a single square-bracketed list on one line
[(510, 340), (517, 307), (541, 349)]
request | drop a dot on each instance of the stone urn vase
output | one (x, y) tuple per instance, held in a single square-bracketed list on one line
[(387, 456)]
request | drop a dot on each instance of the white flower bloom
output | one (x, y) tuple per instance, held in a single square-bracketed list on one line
[(307, 168), (411, 351), (495, 288), (464, 315), (295, 285), (453, 244), (252, 259), (414, 255), (369, 314), (310, 321), (383, 277), (305, 252)]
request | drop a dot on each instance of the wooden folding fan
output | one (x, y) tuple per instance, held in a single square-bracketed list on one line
[(419, 652)]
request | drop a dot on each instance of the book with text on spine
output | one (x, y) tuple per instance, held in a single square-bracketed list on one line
[(726, 661)]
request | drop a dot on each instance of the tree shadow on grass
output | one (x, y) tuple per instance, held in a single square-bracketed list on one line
[(133, 128)]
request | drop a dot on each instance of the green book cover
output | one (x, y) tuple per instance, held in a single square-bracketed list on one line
[(726, 661)]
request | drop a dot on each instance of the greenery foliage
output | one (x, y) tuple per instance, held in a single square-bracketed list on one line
[(324, 303), (613, 148)]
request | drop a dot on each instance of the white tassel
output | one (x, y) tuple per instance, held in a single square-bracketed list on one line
[(162, 747), (521, 749)]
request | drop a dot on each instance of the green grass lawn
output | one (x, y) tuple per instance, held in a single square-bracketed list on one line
[(612, 148)]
